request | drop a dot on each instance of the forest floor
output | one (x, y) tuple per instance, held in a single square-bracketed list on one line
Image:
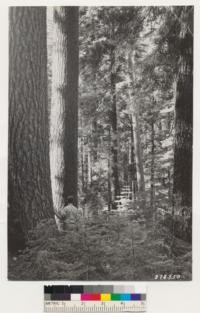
[(103, 248)]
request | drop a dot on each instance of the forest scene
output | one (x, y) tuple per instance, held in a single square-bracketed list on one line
[(100, 143)]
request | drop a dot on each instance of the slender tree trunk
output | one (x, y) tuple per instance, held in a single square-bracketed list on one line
[(64, 105), (138, 152), (109, 172), (169, 188), (136, 135), (94, 132), (82, 166), (82, 154), (152, 167), (114, 147), (29, 192), (89, 169), (126, 166), (109, 186), (95, 140), (182, 188), (134, 185)]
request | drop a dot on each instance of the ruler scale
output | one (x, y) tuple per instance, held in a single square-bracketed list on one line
[(71, 298)]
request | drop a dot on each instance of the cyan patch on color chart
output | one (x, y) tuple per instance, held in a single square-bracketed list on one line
[(125, 297)]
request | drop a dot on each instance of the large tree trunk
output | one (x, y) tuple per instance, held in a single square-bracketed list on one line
[(114, 136), (183, 116), (58, 103), (71, 114), (64, 105), (29, 192)]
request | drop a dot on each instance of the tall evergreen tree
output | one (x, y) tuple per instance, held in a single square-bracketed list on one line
[(114, 121), (29, 191), (136, 131), (64, 105), (184, 111)]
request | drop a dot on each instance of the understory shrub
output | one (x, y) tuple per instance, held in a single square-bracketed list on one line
[(103, 248)]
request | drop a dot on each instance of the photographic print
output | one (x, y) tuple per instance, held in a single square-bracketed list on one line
[(100, 143)]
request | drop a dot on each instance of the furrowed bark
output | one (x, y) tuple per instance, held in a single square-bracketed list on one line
[(64, 106), (29, 190), (182, 188)]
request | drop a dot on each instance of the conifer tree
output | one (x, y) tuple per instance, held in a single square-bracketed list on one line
[(64, 105), (29, 191)]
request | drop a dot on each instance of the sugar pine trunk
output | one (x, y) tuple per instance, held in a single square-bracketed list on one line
[(64, 105), (29, 190)]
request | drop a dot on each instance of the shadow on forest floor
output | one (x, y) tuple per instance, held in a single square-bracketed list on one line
[(102, 249)]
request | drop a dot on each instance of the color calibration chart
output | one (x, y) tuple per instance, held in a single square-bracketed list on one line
[(91, 298)]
